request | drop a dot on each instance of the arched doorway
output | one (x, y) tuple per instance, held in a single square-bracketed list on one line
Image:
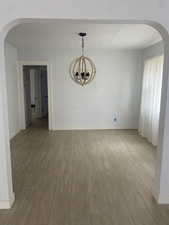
[(162, 143)]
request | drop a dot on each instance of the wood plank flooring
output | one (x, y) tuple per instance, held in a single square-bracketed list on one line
[(83, 178)]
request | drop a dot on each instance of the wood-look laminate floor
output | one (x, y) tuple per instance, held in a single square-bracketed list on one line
[(83, 178)]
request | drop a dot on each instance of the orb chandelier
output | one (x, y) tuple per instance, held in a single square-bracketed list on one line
[(82, 69)]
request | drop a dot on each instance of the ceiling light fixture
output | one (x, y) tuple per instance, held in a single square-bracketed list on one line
[(82, 69)]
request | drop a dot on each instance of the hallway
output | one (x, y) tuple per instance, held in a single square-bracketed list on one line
[(101, 177)]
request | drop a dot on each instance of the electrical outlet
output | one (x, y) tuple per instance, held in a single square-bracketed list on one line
[(114, 119)]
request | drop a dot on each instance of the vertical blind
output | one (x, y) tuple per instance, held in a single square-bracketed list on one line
[(151, 99)]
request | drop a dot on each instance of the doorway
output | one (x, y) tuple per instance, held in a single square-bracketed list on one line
[(35, 85)]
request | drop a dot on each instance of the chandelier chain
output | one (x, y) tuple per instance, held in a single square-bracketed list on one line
[(82, 46)]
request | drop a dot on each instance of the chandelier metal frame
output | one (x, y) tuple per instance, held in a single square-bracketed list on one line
[(82, 70)]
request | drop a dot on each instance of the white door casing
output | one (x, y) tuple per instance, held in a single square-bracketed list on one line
[(27, 97)]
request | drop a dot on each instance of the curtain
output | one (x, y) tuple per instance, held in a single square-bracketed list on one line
[(151, 99)]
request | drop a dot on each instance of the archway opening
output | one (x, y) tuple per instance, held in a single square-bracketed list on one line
[(115, 113)]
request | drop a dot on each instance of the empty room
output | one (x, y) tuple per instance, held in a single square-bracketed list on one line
[(84, 103)]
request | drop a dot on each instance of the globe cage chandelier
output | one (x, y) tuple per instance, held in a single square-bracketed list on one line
[(82, 69)]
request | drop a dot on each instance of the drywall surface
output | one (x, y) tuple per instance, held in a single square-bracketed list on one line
[(12, 88), (114, 94), (154, 50), (129, 10)]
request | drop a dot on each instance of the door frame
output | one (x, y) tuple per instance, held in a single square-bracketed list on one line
[(21, 91)]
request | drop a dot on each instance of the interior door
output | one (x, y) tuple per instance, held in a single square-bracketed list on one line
[(44, 92), (27, 96), (38, 93)]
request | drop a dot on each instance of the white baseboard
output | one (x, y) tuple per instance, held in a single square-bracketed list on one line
[(160, 199), (7, 204), (163, 199)]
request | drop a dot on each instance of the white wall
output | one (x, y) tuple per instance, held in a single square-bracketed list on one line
[(154, 50), (111, 11), (12, 88), (115, 91)]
